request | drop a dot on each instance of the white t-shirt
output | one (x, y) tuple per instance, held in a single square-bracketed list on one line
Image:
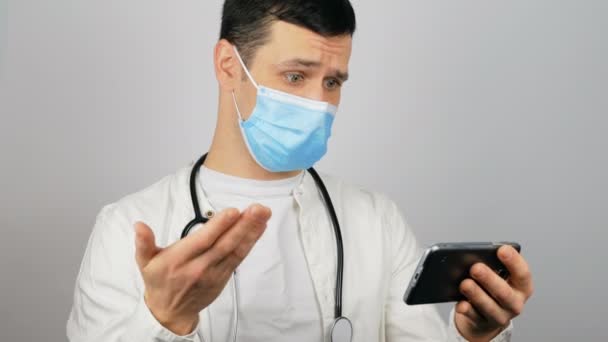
[(276, 299)]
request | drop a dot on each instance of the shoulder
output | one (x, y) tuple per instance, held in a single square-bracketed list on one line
[(356, 196), (373, 221), (367, 209)]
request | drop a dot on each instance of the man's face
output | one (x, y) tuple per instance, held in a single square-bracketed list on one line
[(298, 61)]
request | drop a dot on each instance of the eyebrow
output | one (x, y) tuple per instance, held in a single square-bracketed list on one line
[(306, 63)]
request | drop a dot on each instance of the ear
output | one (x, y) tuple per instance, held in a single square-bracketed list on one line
[(227, 67)]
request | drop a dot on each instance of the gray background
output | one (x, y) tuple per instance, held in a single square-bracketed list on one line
[(484, 120)]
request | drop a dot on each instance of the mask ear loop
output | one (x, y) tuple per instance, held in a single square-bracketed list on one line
[(238, 112), (244, 67)]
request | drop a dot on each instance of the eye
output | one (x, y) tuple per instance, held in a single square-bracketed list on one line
[(332, 83), (294, 77)]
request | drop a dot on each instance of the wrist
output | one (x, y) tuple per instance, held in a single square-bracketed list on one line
[(473, 332), (483, 336), (178, 325)]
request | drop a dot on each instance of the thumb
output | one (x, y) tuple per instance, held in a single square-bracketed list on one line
[(145, 247)]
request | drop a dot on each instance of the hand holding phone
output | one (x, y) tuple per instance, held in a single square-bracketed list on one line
[(444, 266)]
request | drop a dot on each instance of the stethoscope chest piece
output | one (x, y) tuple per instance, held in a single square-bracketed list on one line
[(342, 330)]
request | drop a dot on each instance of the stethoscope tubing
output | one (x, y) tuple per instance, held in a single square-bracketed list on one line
[(200, 219)]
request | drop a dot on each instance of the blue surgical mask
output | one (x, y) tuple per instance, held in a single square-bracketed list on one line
[(285, 132)]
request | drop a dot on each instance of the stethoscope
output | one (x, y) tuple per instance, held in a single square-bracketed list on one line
[(342, 329)]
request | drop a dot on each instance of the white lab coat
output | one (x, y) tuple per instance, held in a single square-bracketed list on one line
[(380, 254)]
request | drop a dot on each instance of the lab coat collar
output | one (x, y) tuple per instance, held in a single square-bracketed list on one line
[(306, 190)]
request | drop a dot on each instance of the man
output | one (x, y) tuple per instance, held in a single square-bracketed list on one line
[(280, 66)]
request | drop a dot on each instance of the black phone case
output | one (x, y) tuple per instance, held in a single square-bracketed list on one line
[(447, 265)]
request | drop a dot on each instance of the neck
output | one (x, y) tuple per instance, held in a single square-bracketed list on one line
[(228, 152)]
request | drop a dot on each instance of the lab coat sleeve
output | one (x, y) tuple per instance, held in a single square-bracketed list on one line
[(413, 322), (108, 299)]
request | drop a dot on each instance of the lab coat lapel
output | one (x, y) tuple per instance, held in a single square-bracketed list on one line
[(319, 244)]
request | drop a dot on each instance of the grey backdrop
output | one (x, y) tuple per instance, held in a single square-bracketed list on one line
[(484, 120)]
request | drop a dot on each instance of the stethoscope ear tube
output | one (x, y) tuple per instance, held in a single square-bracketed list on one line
[(339, 244), (198, 217), (191, 224)]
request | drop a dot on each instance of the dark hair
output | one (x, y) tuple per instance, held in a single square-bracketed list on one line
[(245, 23)]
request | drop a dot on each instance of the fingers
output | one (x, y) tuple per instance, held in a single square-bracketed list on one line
[(520, 275), (496, 299), (465, 308), (234, 259), (237, 242), (145, 247), (484, 304), (201, 240), (498, 288)]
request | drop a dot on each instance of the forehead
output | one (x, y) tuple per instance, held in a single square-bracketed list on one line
[(289, 41)]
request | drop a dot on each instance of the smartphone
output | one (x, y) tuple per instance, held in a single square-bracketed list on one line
[(444, 266)]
